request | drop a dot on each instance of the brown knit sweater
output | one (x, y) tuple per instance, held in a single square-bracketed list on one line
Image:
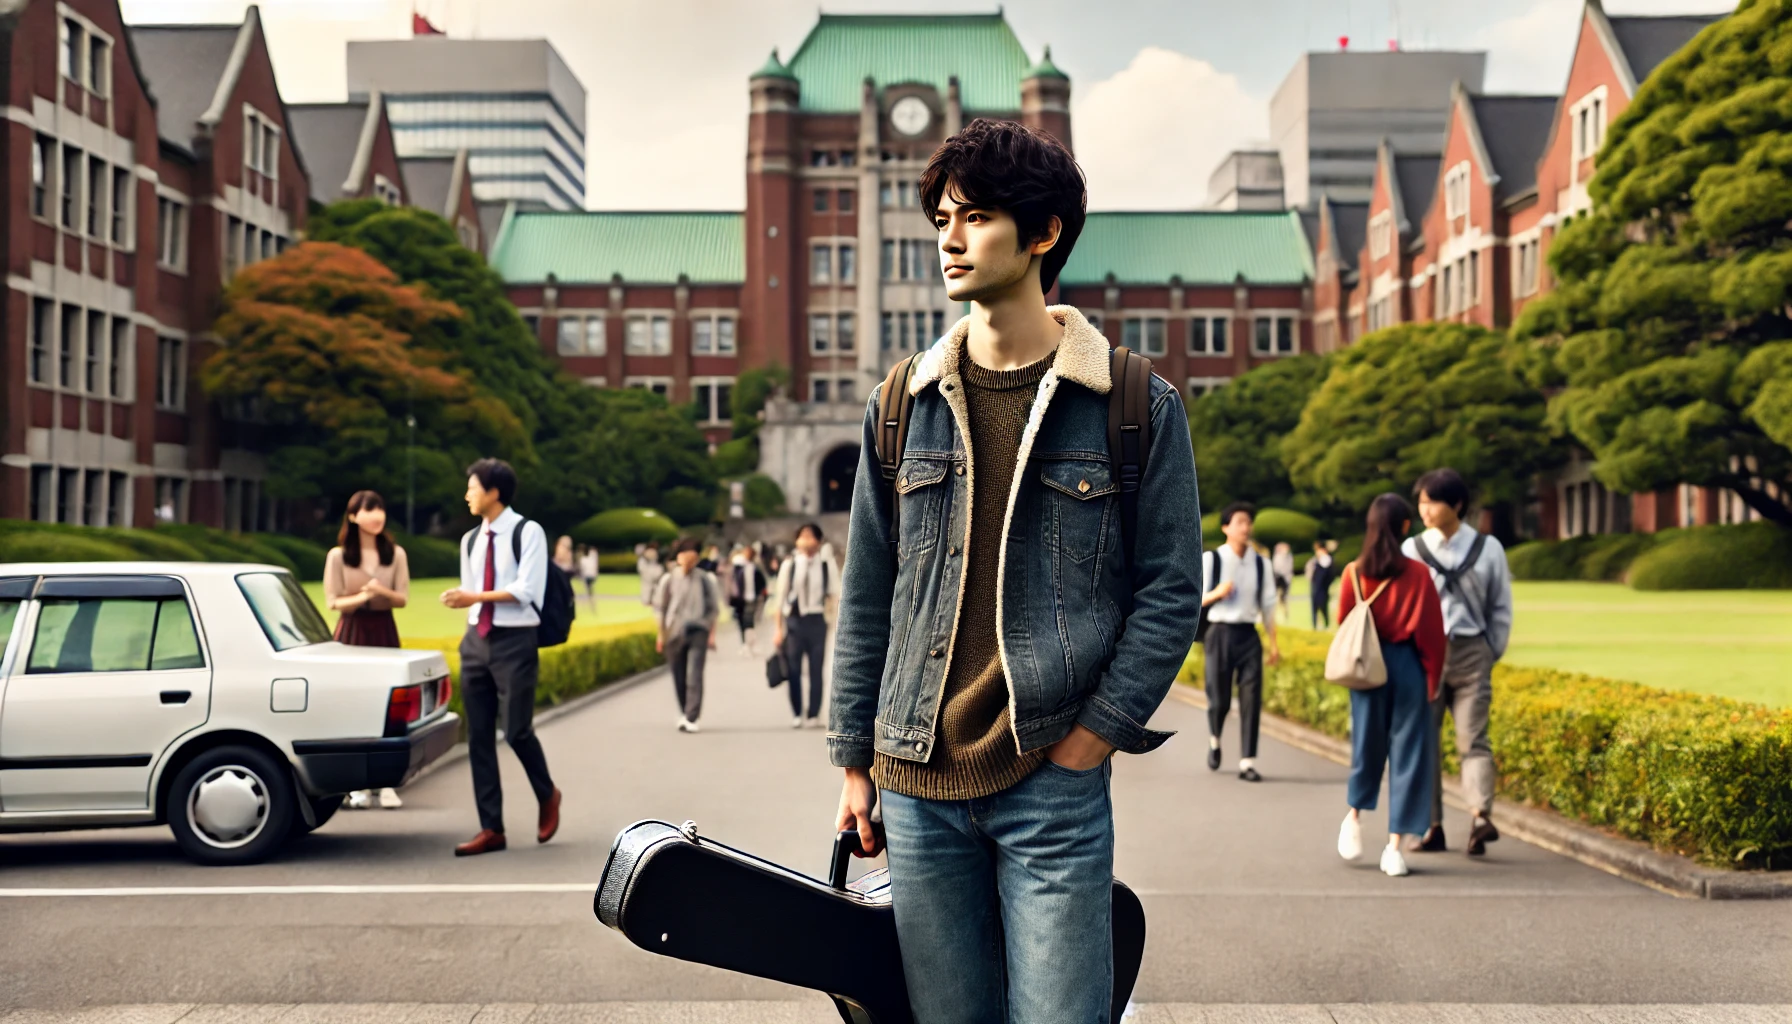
[(975, 753)]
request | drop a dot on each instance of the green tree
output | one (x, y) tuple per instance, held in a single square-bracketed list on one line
[(1668, 335), (634, 450), (1411, 398), (1238, 431)]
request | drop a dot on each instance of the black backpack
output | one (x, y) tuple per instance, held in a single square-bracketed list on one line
[(1129, 433), (557, 607)]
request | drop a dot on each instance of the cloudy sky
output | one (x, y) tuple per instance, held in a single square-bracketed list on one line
[(1162, 88)]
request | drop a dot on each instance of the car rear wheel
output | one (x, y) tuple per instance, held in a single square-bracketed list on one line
[(232, 805), (323, 808)]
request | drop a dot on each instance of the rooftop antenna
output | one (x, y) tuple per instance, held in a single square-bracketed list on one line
[(1394, 9)]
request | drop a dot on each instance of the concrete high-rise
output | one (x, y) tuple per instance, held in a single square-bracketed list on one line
[(512, 104), (1332, 111)]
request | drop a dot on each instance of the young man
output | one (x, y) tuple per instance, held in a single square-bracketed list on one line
[(1243, 594), (799, 610), (1475, 585), (992, 657), (499, 657), (686, 603)]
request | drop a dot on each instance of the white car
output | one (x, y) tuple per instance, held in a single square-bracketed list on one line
[(207, 696)]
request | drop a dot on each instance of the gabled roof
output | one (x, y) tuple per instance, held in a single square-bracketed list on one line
[(429, 181), (842, 50), (491, 220), (1199, 246), (1511, 133), (643, 247), (1349, 226), (187, 66), (1411, 179), (1642, 43), (330, 136)]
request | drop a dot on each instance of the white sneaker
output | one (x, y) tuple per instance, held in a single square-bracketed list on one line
[(815, 723), (389, 799), (686, 725), (359, 800), (797, 722), (1350, 838), (1393, 862)]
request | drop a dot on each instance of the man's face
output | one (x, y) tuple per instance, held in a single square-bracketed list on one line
[(1436, 514), (687, 560), (1238, 528), (808, 543), (479, 500), (981, 251)]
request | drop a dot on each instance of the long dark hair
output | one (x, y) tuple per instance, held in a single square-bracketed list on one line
[(1389, 518), (349, 536)]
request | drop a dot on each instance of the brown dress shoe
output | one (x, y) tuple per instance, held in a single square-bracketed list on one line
[(550, 817), (487, 841), (1433, 841), (1479, 836)]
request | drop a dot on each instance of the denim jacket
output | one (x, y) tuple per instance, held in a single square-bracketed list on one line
[(1082, 638)]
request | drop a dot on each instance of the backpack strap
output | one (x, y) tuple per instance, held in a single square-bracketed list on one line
[(1452, 577), (894, 407), (1356, 575), (1129, 435)]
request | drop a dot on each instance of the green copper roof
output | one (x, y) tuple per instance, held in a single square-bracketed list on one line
[(1045, 68), (773, 68), (645, 248), (842, 50), (1201, 247)]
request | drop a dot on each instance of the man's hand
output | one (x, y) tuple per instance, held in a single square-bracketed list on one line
[(659, 645), (1275, 653), (1223, 591), (712, 639), (1081, 750), (778, 635), (458, 598), (857, 797)]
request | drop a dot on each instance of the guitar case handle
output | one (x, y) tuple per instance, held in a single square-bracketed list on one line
[(846, 847)]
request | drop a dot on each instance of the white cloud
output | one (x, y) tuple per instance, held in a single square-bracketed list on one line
[(1149, 137)]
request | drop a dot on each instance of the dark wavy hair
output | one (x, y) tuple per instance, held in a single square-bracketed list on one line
[(349, 536), (1389, 519), (1003, 165)]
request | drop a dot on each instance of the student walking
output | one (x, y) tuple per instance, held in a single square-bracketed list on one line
[(1388, 723), (1319, 584), (588, 569), (366, 576), (805, 591), (1282, 561), (984, 671), (649, 568), (1241, 594), (746, 591), (503, 582), (1475, 585), (686, 603)]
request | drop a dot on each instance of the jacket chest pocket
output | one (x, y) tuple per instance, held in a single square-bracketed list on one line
[(1076, 500), (921, 486)]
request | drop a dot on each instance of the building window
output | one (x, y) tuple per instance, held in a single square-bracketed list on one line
[(43, 153), (824, 390), (906, 259), (121, 204), (171, 233), (1447, 293), (261, 144), (821, 264), (65, 353), (1144, 335), (1381, 235), (939, 324), (886, 194), (1274, 335), (385, 191), (714, 399), (74, 48), (649, 335), (118, 497), (819, 390), (94, 491), (97, 180), (848, 332), (572, 336), (1588, 119), (1456, 191), (117, 377), (886, 262), (712, 334), (99, 66), (724, 335), (844, 199), (1199, 386), (1474, 277), (849, 263), (171, 373), (1207, 335), (821, 158), (821, 332), (821, 200), (886, 335), (43, 330), (98, 342), (71, 186), (661, 386)]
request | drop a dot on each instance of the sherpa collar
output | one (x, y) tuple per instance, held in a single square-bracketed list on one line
[(1082, 354)]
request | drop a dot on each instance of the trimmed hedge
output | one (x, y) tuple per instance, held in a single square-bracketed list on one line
[(430, 557), (577, 668), (218, 546), (44, 546), (1272, 526), (307, 558), (1748, 556), (1687, 773), (1596, 557), (616, 561), (621, 529), (28, 541)]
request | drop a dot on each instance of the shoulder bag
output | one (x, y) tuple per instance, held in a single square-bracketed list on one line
[(1354, 660)]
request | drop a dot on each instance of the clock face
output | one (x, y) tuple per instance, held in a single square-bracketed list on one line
[(910, 115)]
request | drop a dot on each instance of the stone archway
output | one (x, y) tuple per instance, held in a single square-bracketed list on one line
[(838, 468)]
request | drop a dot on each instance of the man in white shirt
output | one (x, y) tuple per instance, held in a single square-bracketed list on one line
[(1475, 586), (499, 655), (805, 585), (1242, 594)]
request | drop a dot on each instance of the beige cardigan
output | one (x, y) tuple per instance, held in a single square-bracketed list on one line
[(344, 580)]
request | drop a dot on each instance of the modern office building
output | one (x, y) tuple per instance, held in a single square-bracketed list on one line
[(1333, 110), (1248, 179), (512, 104)]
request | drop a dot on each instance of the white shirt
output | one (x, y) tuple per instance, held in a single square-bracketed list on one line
[(811, 588), (1481, 602), (527, 582), (588, 565), (1247, 602)]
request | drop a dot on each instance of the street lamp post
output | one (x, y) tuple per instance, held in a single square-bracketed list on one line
[(410, 475)]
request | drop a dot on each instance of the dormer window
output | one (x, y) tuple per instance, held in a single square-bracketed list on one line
[(1586, 124), (261, 144), (1456, 191), (1381, 235)]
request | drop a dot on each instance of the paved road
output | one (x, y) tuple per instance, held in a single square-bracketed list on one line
[(1248, 902)]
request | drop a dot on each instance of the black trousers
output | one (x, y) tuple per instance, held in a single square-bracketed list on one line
[(1234, 651), (805, 635), (1322, 605), (497, 676)]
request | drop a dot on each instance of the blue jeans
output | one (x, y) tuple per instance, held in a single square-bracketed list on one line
[(1387, 727), (1003, 903)]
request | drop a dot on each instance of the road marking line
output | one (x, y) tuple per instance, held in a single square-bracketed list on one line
[(305, 890)]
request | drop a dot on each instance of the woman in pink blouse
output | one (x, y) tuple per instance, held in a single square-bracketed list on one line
[(365, 577)]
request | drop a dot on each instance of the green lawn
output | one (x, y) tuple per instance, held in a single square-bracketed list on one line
[(1737, 643), (427, 618)]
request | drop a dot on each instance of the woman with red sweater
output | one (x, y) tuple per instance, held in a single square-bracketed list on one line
[(1388, 723)]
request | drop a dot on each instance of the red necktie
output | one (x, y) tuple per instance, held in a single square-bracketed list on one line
[(487, 609)]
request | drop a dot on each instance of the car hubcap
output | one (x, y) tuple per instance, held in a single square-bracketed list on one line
[(228, 807)]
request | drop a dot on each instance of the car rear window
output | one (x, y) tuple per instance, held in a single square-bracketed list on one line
[(287, 616)]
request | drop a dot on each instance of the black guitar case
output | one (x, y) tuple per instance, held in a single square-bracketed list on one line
[(682, 895)]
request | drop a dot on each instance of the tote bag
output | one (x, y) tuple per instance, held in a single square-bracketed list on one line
[(1354, 661)]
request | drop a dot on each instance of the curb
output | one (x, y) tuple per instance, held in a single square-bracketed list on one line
[(1627, 858), (548, 714)]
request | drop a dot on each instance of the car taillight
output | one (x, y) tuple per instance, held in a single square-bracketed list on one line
[(404, 707), (446, 693)]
